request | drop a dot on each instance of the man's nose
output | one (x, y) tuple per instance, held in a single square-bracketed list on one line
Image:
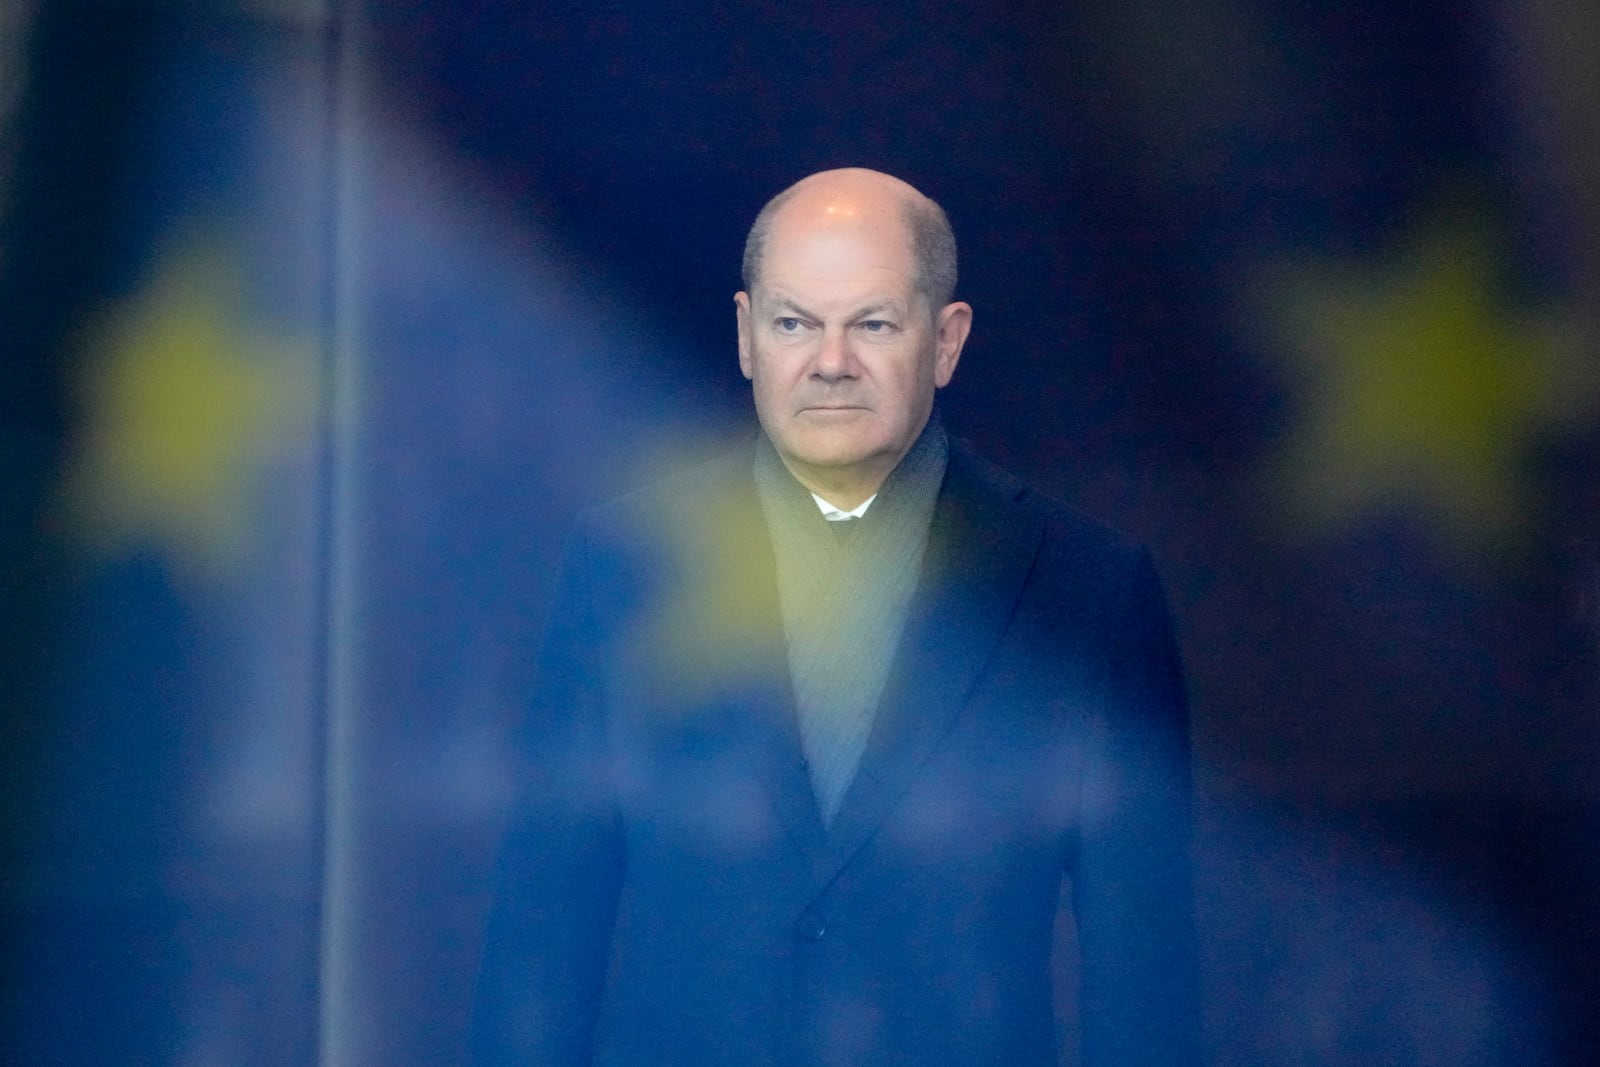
[(836, 359)]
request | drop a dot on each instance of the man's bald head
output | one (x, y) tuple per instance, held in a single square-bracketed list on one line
[(928, 233)]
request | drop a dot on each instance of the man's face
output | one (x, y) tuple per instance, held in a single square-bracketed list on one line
[(842, 352)]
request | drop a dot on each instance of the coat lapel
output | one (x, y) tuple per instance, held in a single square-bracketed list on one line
[(756, 686), (980, 548)]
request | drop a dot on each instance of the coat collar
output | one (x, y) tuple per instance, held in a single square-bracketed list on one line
[(981, 545)]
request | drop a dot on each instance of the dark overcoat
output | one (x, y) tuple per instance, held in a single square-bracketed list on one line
[(669, 894)]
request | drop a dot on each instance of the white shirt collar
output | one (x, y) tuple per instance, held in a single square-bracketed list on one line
[(833, 514)]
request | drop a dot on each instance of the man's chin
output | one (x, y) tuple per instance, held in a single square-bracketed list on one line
[(823, 455)]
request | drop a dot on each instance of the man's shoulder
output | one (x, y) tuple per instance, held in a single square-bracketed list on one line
[(1063, 525), (680, 500)]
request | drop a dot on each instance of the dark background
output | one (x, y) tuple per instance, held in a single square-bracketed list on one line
[(321, 320)]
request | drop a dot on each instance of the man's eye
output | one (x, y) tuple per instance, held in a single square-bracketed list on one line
[(787, 325), (877, 326)]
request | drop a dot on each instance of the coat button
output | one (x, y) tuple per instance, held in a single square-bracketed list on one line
[(810, 926)]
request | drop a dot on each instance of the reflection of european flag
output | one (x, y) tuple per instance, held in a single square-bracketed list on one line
[(175, 790), (1418, 385), (185, 402), (163, 811)]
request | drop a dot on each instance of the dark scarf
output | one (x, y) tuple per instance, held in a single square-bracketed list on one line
[(844, 599)]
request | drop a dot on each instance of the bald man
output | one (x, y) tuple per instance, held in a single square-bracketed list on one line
[(823, 727)]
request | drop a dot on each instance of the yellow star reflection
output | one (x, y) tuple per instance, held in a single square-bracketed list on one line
[(1416, 386), (184, 403)]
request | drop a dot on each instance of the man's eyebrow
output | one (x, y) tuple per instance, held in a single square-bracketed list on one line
[(784, 303), (891, 307)]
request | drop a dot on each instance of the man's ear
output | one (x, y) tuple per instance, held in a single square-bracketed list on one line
[(741, 306), (950, 334)]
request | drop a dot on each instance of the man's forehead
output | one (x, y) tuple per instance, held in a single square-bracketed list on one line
[(838, 272), (840, 237), (843, 208)]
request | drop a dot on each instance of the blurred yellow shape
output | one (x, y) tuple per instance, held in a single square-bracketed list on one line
[(720, 623), (184, 405), (1417, 386)]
